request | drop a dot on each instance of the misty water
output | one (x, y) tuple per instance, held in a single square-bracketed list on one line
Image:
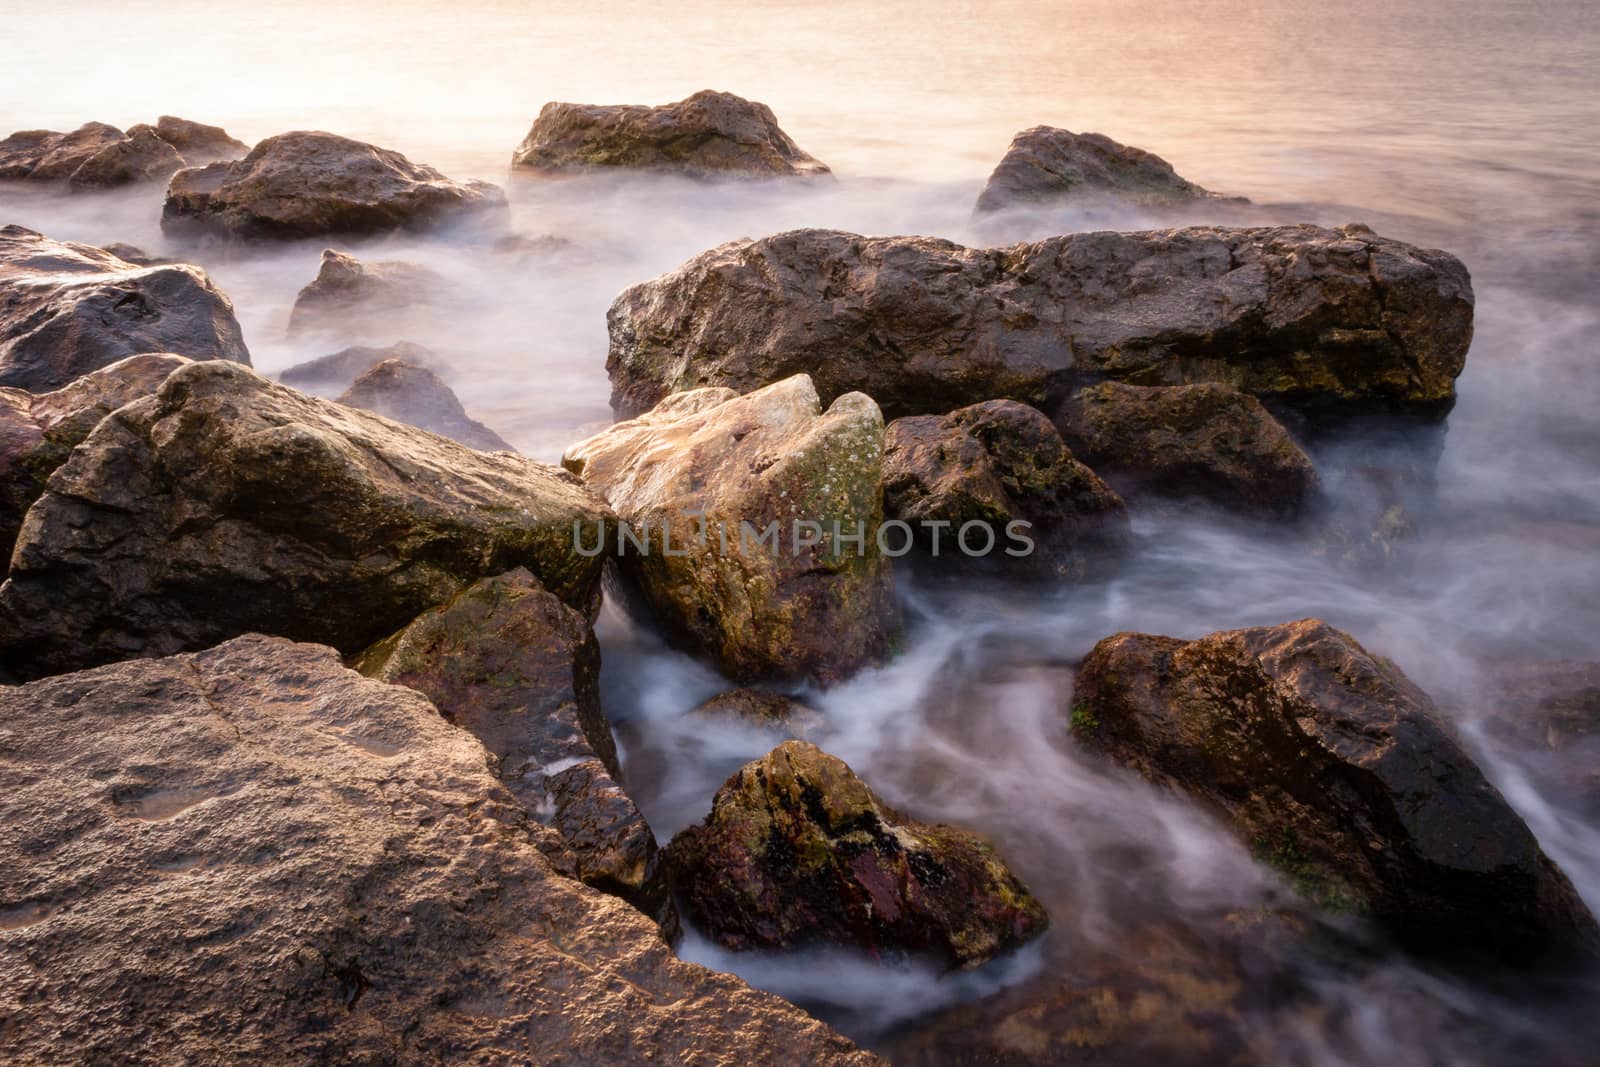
[(1470, 126)]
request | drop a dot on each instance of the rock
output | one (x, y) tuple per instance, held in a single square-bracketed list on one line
[(718, 488), (996, 464), (1046, 164), (200, 144), (251, 854), (512, 665), (1341, 774), (417, 397), (39, 430), (1205, 442), (139, 157), (1299, 315), (709, 135), (307, 184), (227, 504), (348, 296), (798, 851), (1549, 711), (136, 255), (68, 309), (337, 372), (761, 709), (48, 156), (98, 156)]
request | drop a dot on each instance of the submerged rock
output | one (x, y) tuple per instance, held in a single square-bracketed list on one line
[(251, 854), (312, 184), (1340, 773), (798, 851), (1046, 164), (336, 372), (512, 665), (418, 397), (348, 296), (1002, 466), (739, 502), (1208, 442), (68, 309), (709, 135), (139, 157), (761, 709), (1549, 712), (1304, 316), (227, 504)]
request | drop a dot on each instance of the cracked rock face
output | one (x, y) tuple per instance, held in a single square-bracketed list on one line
[(1319, 319), (1046, 164), (252, 854)]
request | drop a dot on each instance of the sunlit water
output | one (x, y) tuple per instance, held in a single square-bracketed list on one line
[(1467, 125)]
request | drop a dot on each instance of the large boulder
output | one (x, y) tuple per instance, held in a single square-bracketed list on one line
[(798, 851), (1049, 165), (745, 507), (1316, 318), (1207, 442), (1340, 773), (350, 296), (337, 371), (68, 309), (1034, 510), (512, 665), (252, 854), (226, 504), (39, 430), (311, 184), (709, 135), (416, 396), (48, 156), (139, 157)]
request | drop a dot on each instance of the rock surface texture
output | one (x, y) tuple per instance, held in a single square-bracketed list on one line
[(251, 854), (798, 851), (68, 309), (348, 295), (763, 594), (227, 504), (418, 397), (709, 135), (1045, 164), (1315, 318)]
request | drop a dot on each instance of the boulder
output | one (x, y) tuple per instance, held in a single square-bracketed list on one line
[(98, 156), (139, 157), (760, 709), (709, 135), (68, 309), (1341, 774), (309, 184), (512, 665), (226, 504), (198, 143), (349, 296), (252, 854), (39, 430), (1001, 466), (1299, 315), (418, 397), (48, 156), (1548, 711), (798, 851), (742, 507), (1045, 165), (1207, 442), (338, 371)]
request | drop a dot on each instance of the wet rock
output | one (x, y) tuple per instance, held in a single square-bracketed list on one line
[(48, 156), (1548, 711), (761, 709), (417, 397), (996, 464), (797, 850), (251, 854), (512, 665), (68, 309), (1205, 442), (227, 504), (198, 143), (1341, 774), (1308, 317), (312, 184), (1045, 164), (338, 371), (740, 503), (39, 430), (349, 296), (139, 157), (709, 135), (136, 255)]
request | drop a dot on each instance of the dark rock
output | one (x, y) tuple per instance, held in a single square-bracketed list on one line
[(1340, 773), (199, 144), (1308, 317), (68, 309), (306, 184), (709, 135), (512, 665), (136, 255), (797, 850), (1189, 441), (227, 504), (418, 397), (999, 463), (762, 709), (139, 157), (251, 854), (48, 156), (337, 372), (349, 296), (1046, 164)]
